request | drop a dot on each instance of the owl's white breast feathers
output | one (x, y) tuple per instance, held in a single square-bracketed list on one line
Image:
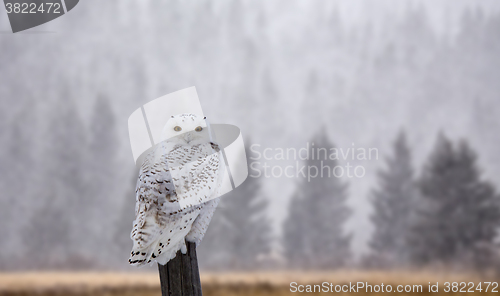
[(177, 192)]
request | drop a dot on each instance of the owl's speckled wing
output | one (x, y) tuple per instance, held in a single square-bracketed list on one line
[(170, 174)]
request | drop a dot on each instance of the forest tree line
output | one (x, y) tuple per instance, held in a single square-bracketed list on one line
[(68, 195), (445, 215)]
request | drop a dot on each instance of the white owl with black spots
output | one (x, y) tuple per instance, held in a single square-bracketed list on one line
[(177, 191)]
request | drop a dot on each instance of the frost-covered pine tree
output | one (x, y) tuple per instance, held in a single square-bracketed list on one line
[(103, 144), (394, 204), (53, 235), (294, 242), (240, 230), (123, 224), (314, 235), (18, 158), (47, 234), (101, 179), (459, 210)]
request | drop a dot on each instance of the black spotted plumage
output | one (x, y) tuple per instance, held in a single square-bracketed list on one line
[(176, 196)]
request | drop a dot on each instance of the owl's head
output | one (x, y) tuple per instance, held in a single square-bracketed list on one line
[(185, 128)]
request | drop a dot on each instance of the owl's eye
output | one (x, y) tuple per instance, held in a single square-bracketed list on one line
[(198, 129), (177, 128)]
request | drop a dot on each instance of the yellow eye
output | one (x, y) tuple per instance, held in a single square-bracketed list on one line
[(177, 128), (198, 129)]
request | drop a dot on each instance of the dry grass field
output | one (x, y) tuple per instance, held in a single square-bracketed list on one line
[(221, 284)]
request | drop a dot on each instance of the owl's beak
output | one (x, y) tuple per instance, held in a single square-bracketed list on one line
[(188, 137)]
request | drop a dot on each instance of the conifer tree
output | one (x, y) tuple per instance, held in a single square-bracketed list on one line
[(240, 230), (18, 159), (394, 204), (459, 210), (58, 208), (123, 224), (313, 231), (102, 179)]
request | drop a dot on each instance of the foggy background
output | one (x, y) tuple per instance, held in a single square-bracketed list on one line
[(390, 75)]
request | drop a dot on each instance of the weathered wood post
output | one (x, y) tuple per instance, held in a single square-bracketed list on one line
[(181, 276)]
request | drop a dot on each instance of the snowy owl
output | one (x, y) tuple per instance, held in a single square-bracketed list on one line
[(177, 191)]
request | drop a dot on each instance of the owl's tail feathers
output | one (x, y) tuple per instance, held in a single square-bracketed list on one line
[(142, 256), (168, 249), (139, 257), (162, 251)]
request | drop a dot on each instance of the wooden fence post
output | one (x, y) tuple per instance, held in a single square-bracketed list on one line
[(181, 276)]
